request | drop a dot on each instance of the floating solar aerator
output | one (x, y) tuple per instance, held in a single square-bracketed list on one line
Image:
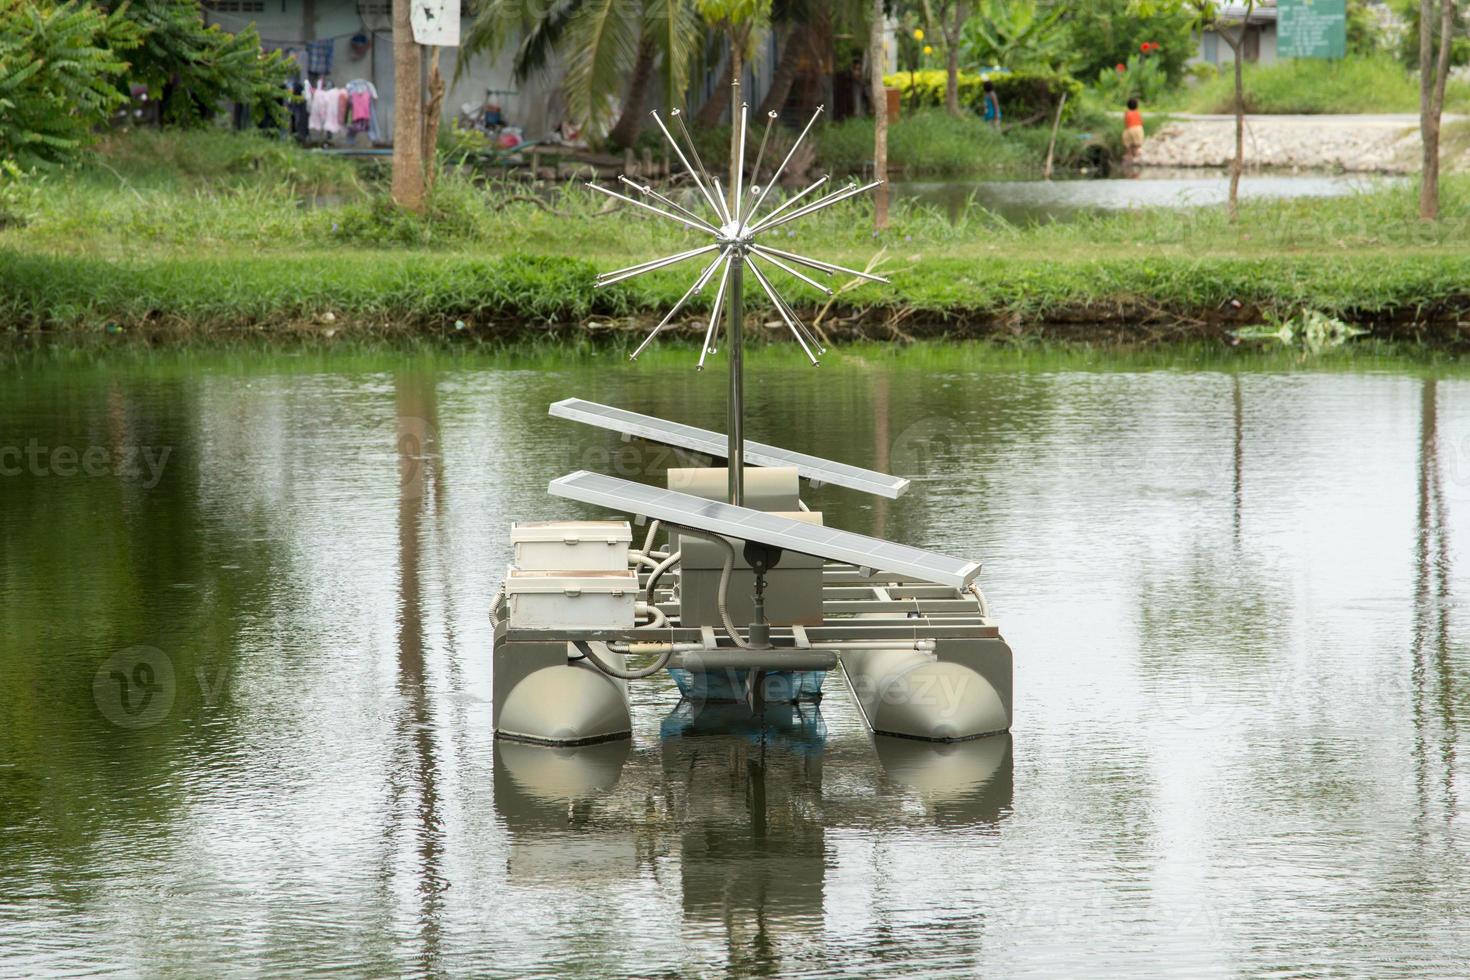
[(748, 593)]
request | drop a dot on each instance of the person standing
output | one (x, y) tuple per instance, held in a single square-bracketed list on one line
[(1132, 134), (992, 105)]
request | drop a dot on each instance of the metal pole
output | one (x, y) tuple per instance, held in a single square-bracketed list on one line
[(735, 460)]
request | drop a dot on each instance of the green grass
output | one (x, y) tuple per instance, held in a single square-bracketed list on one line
[(1309, 86), (191, 253)]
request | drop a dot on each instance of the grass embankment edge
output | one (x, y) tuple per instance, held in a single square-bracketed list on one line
[(1399, 294)]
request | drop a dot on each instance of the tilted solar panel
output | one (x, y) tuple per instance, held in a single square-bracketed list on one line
[(697, 513), (715, 444)]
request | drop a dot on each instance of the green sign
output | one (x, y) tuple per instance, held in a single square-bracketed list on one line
[(1311, 28)]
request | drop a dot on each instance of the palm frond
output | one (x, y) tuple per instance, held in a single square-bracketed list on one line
[(676, 31), (601, 45)]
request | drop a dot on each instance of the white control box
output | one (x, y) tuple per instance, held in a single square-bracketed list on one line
[(554, 545), (543, 599)]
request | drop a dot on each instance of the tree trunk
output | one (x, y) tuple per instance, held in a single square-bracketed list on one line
[(794, 39), (1431, 97), (952, 60), (876, 64), (1237, 48), (712, 113), (1237, 165), (630, 123), (408, 113), (431, 123)]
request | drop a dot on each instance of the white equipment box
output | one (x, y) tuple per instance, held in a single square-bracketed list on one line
[(582, 599), (550, 545)]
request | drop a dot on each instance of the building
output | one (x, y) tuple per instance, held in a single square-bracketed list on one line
[(1260, 36), (360, 33)]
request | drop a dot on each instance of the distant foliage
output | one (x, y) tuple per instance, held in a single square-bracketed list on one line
[(190, 69), (1105, 33), (1142, 78), (1023, 95), (60, 66), (1016, 34)]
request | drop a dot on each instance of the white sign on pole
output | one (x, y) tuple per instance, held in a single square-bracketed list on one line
[(435, 22)]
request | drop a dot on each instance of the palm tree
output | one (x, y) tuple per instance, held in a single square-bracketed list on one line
[(741, 21), (610, 47)]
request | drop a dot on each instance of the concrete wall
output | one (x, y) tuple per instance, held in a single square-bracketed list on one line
[(536, 107), (1213, 50)]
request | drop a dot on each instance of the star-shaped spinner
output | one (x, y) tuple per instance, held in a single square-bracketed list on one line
[(735, 231)]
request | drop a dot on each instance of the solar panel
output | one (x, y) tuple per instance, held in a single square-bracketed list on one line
[(699, 440), (696, 513)]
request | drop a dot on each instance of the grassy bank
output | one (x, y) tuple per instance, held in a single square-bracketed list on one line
[(1309, 86), (221, 246)]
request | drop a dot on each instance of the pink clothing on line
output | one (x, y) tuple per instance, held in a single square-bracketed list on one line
[(362, 106)]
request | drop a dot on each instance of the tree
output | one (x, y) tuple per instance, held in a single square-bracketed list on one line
[(741, 22), (1434, 71), (610, 48), (60, 65), (1207, 15), (876, 65), (1104, 33), (792, 20), (189, 69), (1018, 35), (1237, 51), (950, 17)]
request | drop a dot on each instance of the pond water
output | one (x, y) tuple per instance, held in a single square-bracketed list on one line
[(1031, 201), (1242, 680)]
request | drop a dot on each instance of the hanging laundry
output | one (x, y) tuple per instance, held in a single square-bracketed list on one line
[(319, 56), (363, 108), (325, 102)]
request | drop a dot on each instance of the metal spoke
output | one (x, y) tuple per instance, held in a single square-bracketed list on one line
[(714, 314), (815, 263), (648, 189), (760, 155), (776, 177), (647, 207), (810, 335), (798, 274), (685, 160), (720, 193), (699, 284), (781, 310), (694, 149), (738, 189), (638, 270), (796, 197), (850, 191)]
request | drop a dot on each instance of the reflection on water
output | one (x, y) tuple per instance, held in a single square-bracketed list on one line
[(1032, 201), (1241, 682)]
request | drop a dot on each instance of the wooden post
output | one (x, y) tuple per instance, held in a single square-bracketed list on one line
[(876, 63), (1052, 146)]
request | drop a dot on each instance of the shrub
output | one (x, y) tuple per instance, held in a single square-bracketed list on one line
[(1024, 96), (928, 143), (189, 69), (1142, 78), (20, 194), (59, 68)]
